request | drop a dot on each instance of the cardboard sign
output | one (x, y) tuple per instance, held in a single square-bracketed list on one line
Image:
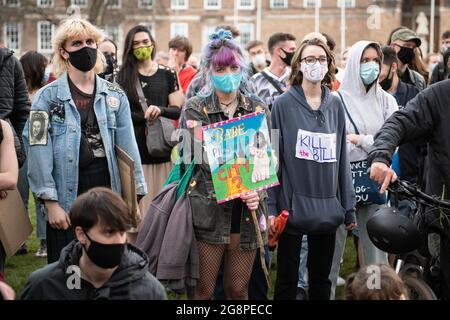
[(240, 156), (15, 225)]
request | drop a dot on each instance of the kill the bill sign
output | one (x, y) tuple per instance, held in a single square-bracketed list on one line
[(240, 156)]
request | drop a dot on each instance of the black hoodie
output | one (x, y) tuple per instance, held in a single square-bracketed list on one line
[(130, 281), (14, 101)]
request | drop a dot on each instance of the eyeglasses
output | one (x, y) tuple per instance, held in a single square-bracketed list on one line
[(312, 60)]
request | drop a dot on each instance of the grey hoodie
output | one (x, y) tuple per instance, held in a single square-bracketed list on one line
[(315, 179), (368, 109)]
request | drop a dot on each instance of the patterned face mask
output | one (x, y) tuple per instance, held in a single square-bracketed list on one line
[(143, 54)]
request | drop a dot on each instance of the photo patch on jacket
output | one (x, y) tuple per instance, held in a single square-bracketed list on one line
[(38, 128), (315, 146), (57, 112)]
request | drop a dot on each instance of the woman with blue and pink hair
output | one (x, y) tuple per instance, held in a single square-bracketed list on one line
[(223, 231)]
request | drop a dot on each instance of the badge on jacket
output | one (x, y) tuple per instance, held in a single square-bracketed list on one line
[(38, 128), (57, 112)]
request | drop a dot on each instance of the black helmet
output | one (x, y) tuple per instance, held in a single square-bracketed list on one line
[(392, 232)]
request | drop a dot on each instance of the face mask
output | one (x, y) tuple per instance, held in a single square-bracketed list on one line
[(83, 59), (432, 66), (143, 54), (46, 76), (259, 60), (406, 55), (109, 69), (288, 59), (369, 72), (228, 82), (386, 84), (314, 73), (105, 256)]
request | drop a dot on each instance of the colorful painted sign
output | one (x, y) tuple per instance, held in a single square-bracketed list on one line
[(240, 156)]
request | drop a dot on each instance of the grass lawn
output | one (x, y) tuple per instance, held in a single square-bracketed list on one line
[(18, 268)]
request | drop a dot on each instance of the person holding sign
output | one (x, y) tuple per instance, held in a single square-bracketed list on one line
[(223, 230), (313, 171), (74, 124), (367, 107)]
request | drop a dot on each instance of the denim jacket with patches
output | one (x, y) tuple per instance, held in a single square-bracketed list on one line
[(53, 162), (212, 221)]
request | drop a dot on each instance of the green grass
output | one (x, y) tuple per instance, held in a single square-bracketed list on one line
[(19, 268)]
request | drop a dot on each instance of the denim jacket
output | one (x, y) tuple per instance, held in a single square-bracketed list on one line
[(53, 160), (212, 221)]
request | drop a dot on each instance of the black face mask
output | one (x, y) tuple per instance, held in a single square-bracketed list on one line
[(386, 84), (83, 59), (406, 55), (288, 59), (105, 256), (109, 69)]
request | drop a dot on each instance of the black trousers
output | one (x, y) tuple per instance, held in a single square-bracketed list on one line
[(445, 268), (96, 175), (320, 257)]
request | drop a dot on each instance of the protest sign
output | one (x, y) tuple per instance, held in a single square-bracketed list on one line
[(240, 156)]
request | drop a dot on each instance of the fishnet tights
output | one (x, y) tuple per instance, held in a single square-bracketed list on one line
[(238, 265)]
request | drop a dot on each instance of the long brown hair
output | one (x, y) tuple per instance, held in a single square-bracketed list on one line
[(418, 65), (296, 77)]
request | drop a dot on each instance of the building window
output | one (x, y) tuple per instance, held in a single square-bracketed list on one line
[(246, 30), (45, 32), (277, 4), (113, 33), (80, 3), (12, 3), (45, 3), (212, 4), (179, 4), (207, 31), (150, 26), (312, 3), (246, 4), (179, 29), (113, 4), (347, 3), (12, 35), (146, 4)]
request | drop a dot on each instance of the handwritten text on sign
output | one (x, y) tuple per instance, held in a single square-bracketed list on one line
[(318, 147)]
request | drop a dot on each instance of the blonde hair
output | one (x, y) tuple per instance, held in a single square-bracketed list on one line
[(70, 28), (391, 285)]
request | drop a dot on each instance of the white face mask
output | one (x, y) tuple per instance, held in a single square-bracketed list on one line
[(314, 73), (259, 60)]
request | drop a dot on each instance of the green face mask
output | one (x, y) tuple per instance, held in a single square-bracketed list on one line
[(143, 54)]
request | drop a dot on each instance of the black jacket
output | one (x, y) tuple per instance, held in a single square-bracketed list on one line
[(131, 280), (427, 116), (14, 102), (439, 73), (410, 154)]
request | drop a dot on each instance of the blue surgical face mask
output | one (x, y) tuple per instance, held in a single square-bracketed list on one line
[(46, 76), (369, 72), (228, 82)]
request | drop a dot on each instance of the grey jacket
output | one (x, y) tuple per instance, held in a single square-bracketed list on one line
[(167, 236), (315, 179), (130, 281)]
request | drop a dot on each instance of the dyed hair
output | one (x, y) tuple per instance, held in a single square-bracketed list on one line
[(221, 51), (70, 28), (296, 77), (391, 285)]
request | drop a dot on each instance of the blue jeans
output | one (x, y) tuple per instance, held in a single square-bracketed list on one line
[(302, 279)]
